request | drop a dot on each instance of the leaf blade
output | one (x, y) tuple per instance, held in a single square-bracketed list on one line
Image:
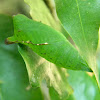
[(52, 53), (81, 20), (84, 85), (40, 70), (14, 83)]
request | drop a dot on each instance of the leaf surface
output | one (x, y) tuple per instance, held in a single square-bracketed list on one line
[(14, 83), (84, 85), (40, 70), (41, 13), (81, 19), (47, 42)]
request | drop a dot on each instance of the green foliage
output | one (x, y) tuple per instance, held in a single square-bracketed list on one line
[(31, 33), (40, 70), (40, 12), (85, 88), (81, 19), (14, 83), (47, 53)]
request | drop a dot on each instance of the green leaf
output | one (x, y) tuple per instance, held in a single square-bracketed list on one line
[(47, 42), (85, 86), (81, 19), (14, 83), (41, 13), (40, 69)]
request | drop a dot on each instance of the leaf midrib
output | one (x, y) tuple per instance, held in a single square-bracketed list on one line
[(81, 24), (93, 68)]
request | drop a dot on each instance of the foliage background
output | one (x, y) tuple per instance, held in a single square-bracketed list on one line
[(14, 82)]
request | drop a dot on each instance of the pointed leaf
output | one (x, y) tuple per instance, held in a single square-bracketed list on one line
[(47, 42), (81, 19), (40, 12)]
